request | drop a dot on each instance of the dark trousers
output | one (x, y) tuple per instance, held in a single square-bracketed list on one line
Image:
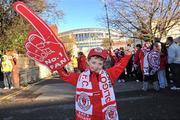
[(151, 78), (7, 79), (122, 76), (175, 68), (168, 73), (138, 74)]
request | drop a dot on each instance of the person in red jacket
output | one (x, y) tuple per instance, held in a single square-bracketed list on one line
[(81, 61), (144, 50), (95, 98), (136, 63), (162, 71)]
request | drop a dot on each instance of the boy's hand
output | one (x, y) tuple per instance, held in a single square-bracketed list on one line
[(42, 45)]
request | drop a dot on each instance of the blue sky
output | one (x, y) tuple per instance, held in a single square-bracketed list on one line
[(80, 14)]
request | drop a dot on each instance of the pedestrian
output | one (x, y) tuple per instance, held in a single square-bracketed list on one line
[(1, 73), (136, 63), (74, 63), (95, 99), (109, 62), (128, 71), (145, 49), (174, 62), (151, 67), (162, 71), (6, 68), (81, 61), (119, 55)]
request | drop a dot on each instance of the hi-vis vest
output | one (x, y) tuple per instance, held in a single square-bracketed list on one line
[(84, 97), (6, 66)]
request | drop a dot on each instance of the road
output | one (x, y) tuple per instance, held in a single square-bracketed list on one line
[(54, 100)]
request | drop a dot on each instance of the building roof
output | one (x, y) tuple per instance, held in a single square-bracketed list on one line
[(86, 29)]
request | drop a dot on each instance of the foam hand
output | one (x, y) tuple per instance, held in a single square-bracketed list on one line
[(42, 45)]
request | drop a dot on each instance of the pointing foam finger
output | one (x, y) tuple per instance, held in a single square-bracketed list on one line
[(41, 27), (32, 48), (35, 56), (36, 39)]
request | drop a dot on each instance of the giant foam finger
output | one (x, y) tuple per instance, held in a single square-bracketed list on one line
[(41, 27), (36, 39), (35, 57), (31, 47), (42, 45)]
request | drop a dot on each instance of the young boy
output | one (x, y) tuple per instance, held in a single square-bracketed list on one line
[(95, 99)]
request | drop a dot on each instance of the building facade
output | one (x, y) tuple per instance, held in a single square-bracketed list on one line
[(88, 38), (175, 31)]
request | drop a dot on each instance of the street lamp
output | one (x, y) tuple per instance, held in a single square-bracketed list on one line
[(107, 19)]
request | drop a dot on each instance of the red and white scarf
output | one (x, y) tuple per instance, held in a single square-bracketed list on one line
[(84, 94)]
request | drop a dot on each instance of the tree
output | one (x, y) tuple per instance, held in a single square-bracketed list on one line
[(14, 29), (69, 41), (144, 19), (106, 43)]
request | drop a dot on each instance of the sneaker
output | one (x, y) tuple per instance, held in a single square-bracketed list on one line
[(123, 80), (5, 88), (175, 88), (137, 80), (145, 86), (171, 81), (12, 87), (156, 86)]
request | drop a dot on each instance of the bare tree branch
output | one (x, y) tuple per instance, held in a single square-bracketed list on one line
[(138, 20)]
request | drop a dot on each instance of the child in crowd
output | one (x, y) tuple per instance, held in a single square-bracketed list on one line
[(95, 99)]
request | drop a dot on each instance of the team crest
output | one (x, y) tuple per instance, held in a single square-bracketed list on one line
[(84, 101), (111, 113)]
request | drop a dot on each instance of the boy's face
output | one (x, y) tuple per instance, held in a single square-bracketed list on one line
[(95, 64)]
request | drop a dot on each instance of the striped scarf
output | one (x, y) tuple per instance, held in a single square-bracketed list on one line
[(84, 96)]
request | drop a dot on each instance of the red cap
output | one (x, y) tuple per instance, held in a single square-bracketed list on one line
[(99, 52)]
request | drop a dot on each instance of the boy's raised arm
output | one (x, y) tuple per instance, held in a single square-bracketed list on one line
[(69, 77), (115, 71)]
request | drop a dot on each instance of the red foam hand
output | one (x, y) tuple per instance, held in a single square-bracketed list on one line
[(42, 45)]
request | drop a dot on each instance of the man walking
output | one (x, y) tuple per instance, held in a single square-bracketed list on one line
[(174, 61)]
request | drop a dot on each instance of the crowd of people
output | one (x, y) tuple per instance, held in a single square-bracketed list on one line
[(154, 64), (151, 63), (95, 75)]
